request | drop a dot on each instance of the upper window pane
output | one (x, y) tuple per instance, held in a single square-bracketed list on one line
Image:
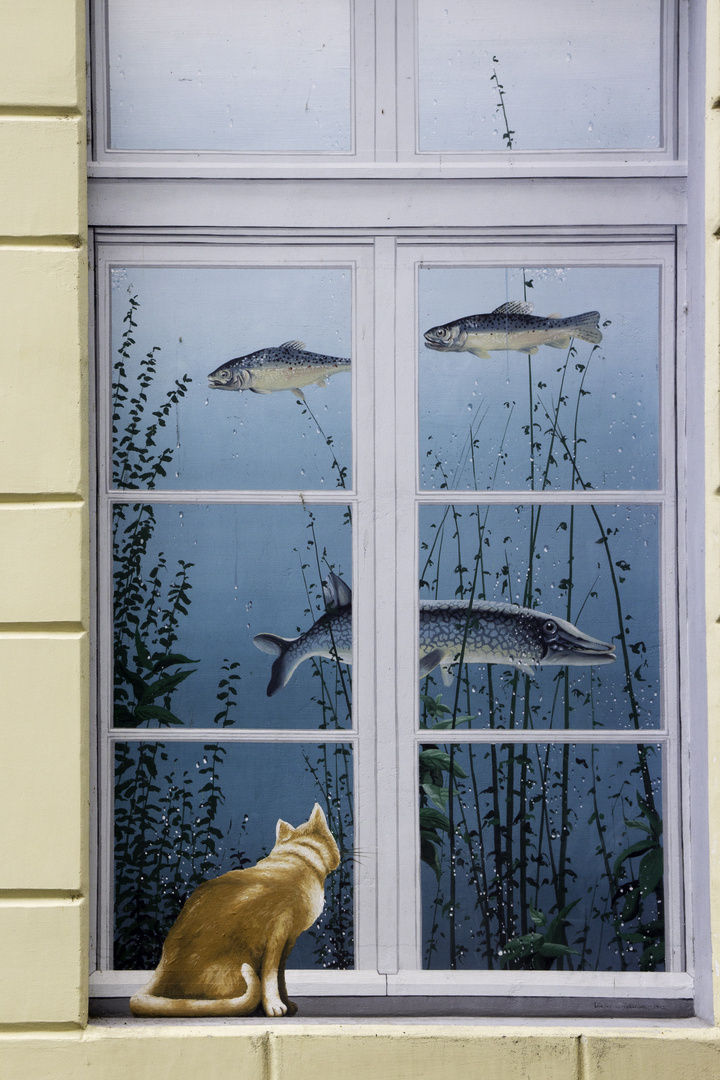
[(243, 77), (571, 350), (216, 373), (520, 76)]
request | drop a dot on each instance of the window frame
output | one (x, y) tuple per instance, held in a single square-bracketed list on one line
[(649, 199)]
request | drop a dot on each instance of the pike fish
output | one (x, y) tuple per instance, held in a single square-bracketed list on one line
[(512, 327), (494, 633), (280, 367)]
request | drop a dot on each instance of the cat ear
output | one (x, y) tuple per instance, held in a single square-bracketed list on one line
[(317, 819), (282, 831)]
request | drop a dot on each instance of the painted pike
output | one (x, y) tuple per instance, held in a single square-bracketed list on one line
[(491, 633), (512, 327), (281, 367)]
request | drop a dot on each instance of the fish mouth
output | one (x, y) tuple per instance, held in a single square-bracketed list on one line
[(216, 384), (432, 342), (570, 646)]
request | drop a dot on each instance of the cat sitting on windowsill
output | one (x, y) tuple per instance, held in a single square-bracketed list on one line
[(228, 948)]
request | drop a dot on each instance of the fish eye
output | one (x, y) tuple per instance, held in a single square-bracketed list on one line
[(550, 626), (225, 373)]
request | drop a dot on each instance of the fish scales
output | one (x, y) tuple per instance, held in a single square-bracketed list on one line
[(489, 632), (289, 366), (512, 327)]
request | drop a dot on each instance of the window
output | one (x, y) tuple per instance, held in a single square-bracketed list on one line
[(451, 265)]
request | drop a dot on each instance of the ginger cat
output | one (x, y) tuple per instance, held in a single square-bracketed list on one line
[(228, 948)]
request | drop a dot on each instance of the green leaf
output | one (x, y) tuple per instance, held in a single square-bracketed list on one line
[(635, 849), (164, 685), (438, 795), (430, 818), (440, 760), (142, 654), (169, 660), (651, 871), (449, 723), (155, 712), (537, 916), (551, 948), (429, 855)]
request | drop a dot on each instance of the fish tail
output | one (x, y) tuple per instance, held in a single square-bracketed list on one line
[(586, 327), (284, 665)]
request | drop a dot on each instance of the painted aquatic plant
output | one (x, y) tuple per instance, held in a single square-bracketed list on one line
[(166, 839), (500, 823)]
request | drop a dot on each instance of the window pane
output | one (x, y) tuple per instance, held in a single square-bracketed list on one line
[(575, 75), (195, 586), (186, 812), (246, 428), (593, 567), (238, 77), (556, 857), (590, 388)]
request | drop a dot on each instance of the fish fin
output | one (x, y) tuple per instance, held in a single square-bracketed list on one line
[(531, 350), (430, 661), (561, 343), (482, 353), (272, 644), (336, 593), (447, 674), (514, 307), (300, 345), (321, 382), (257, 390), (298, 393), (527, 669), (554, 315), (586, 327)]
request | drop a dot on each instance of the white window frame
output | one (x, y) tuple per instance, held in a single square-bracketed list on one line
[(644, 207), (384, 117)]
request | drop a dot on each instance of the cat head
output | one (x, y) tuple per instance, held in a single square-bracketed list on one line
[(315, 833)]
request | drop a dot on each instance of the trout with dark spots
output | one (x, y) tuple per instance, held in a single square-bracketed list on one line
[(486, 633), (281, 367), (512, 327)]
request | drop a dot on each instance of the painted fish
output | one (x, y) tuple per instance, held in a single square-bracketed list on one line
[(281, 367), (512, 327), (495, 633)]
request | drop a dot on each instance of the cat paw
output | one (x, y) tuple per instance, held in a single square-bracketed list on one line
[(275, 1007), (291, 1008)]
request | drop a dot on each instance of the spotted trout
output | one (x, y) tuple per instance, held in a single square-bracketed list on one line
[(512, 327), (281, 367), (488, 633)]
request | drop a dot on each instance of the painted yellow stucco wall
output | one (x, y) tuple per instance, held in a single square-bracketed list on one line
[(44, 765)]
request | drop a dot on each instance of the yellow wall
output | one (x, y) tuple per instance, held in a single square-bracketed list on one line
[(44, 665)]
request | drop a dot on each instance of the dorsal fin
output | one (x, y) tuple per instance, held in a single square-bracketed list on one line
[(299, 345), (515, 307), (337, 594)]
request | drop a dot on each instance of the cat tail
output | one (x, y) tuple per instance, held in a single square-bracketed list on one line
[(144, 1004)]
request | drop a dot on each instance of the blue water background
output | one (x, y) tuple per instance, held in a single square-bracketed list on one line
[(261, 783), (618, 414), (598, 695), (247, 579), (203, 317), (616, 781)]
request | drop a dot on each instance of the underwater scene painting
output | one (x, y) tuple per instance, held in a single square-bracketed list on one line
[(571, 405), (187, 812), (283, 334), (534, 615), (539, 856)]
